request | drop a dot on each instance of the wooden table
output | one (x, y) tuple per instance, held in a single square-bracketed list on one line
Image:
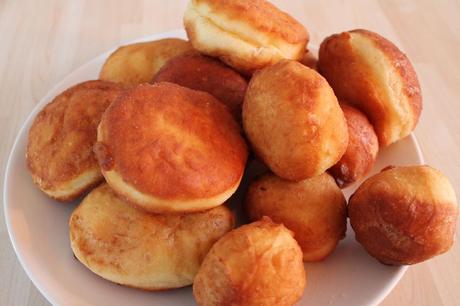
[(43, 41)]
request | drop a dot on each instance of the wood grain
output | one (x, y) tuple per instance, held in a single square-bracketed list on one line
[(42, 41)]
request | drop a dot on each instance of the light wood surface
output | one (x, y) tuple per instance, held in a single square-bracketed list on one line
[(43, 41)]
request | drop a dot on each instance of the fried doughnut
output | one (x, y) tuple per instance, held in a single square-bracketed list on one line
[(310, 60), (60, 144), (293, 120), (167, 148), (203, 73), (404, 215), (131, 247), (245, 34), (314, 209), (137, 63), (362, 149), (257, 264), (370, 72)]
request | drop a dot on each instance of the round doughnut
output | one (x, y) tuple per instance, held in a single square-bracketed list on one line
[(257, 264), (245, 34), (404, 215), (293, 121), (137, 63), (362, 149), (60, 143), (203, 73), (134, 248), (372, 74), (314, 209), (167, 148)]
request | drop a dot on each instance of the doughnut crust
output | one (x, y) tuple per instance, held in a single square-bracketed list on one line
[(404, 215), (293, 121), (60, 144), (134, 248), (203, 73), (314, 209), (257, 264), (245, 34), (372, 74), (362, 149), (137, 63), (167, 148)]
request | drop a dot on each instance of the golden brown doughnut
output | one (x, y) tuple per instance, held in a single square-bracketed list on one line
[(137, 63), (362, 149), (137, 249), (60, 143), (293, 120), (257, 264), (168, 148), (404, 215), (372, 74), (245, 34), (203, 73), (314, 209)]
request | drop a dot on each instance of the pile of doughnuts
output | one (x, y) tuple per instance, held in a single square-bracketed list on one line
[(166, 133)]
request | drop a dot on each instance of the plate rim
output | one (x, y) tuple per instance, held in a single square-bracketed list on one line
[(50, 297)]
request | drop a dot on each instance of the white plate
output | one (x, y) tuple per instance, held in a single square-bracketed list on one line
[(38, 229)]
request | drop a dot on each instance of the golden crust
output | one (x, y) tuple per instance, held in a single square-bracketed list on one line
[(256, 264), (314, 209), (137, 249), (370, 72), (247, 35), (362, 148), (137, 63), (167, 148), (404, 215), (203, 73), (293, 121), (59, 149)]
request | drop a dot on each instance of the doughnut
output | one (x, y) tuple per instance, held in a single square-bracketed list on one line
[(245, 34), (204, 73), (362, 149), (372, 74), (404, 215), (257, 264), (137, 249), (137, 63), (314, 209), (60, 142), (293, 121), (310, 60), (167, 148)]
